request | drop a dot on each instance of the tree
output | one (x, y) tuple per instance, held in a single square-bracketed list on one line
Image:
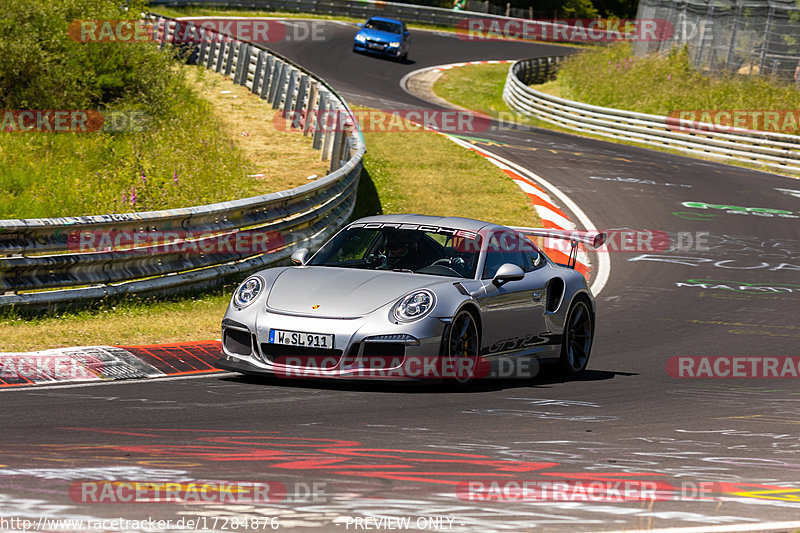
[(579, 9)]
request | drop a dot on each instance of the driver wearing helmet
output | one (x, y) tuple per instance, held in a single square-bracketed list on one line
[(402, 250)]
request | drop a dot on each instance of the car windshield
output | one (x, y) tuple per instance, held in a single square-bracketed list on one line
[(383, 25), (436, 251)]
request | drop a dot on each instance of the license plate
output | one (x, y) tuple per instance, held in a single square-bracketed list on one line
[(298, 338), (374, 46)]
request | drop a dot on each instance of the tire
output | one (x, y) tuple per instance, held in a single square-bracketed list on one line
[(576, 345), (461, 346)]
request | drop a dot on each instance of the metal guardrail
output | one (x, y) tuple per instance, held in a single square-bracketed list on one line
[(39, 264), (773, 150)]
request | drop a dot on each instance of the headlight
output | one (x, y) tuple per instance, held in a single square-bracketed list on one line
[(248, 291), (360, 38), (394, 45), (414, 306)]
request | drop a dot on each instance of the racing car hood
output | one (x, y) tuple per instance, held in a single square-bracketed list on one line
[(381, 36), (341, 292)]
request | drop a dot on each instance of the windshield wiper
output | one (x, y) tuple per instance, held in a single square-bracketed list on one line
[(402, 270)]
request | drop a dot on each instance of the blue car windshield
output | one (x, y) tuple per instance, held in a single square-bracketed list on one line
[(435, 251), (383, 25)]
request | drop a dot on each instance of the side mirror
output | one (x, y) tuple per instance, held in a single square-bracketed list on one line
[(360, 24), (300, 257), (507, 272)]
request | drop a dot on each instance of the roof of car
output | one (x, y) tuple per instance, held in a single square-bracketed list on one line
[(386, 19), (467, 224)]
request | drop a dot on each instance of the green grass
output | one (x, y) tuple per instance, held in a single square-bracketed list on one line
[(480, 88), (193, 155), (611, 76), (441, 178)]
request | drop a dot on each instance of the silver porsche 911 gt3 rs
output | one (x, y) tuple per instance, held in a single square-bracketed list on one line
[(410, 297)]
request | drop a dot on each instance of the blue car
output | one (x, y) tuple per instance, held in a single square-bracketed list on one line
[(383, 36)]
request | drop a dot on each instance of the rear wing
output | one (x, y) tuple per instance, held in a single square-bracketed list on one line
[(595, 239)]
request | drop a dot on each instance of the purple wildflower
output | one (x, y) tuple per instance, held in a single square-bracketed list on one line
[(144, 179), (175, 178), (133, 195)]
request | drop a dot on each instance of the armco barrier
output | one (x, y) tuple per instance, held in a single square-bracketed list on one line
[(773, 150), (39, 265)]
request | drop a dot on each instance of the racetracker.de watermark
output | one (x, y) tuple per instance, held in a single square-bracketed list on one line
[(47, 367), (384, 120), (733, 367), (72, 121), (247, 242), (197, 31), (105, 491), (732, 120), (566, 30), (598, 491)]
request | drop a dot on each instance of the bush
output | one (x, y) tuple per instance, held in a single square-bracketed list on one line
[(43, 68)]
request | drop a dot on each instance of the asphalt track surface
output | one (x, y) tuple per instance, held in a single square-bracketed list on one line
[(401, 451)]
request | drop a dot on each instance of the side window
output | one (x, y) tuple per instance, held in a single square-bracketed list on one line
[(505, 247), (533, 259)]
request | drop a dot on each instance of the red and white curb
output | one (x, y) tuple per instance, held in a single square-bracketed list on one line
[(454, 65), (84, 364)]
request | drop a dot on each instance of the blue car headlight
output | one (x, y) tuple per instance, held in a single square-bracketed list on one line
[(248, 291), (414, 305), (394, 45), (360, 38)]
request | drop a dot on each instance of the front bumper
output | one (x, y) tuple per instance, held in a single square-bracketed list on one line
[(377, 48), (364, 348)]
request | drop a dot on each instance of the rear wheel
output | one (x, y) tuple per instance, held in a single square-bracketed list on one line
[(461, 348), (576, 344)]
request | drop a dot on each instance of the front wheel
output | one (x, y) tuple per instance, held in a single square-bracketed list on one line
[(461, 349), (576, 344)]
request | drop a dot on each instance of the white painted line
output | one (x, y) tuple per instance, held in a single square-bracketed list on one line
[(30, 388), (730, 528), (533, 191), (404, 79), (545, 213)]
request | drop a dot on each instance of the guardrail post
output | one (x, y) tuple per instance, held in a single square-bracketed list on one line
[(203, 46), (242, 65), (287, 104), (309, 119), (267, 76), (223, 47), (299, 106), (333, 148), (257, 72), (273, 78), (276, 92), (232, 46), (189, 40), (212, 49), (320, 120)]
